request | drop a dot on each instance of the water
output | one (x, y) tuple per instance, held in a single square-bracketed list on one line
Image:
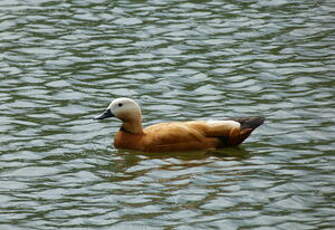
[(62, 62)]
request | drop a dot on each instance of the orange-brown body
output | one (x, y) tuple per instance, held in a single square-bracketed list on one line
[(182, 136)]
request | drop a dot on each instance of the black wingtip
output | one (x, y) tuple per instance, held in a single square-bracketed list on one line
[(250, 122)]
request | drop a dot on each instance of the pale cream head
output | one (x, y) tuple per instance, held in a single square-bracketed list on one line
[(125, 109), (128, 111)]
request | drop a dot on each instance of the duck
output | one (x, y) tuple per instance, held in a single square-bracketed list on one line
[(176, 135)]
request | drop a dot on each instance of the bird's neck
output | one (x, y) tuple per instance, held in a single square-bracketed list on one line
[(133, 126)]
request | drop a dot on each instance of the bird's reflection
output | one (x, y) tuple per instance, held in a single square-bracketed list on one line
[(128, 165)]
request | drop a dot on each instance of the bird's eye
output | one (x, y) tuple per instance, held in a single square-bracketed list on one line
[(120, 104)]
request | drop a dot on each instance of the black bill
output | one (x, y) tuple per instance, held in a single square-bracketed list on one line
[(104, 115)]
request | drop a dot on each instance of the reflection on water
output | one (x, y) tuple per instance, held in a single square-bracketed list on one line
[(64, 61)]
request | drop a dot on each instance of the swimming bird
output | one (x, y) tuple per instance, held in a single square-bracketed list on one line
[(175, 136)]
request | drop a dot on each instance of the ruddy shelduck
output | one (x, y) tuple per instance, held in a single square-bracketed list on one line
[(175, 136)]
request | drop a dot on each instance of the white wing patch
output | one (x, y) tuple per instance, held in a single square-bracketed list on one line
[(227, 123)]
